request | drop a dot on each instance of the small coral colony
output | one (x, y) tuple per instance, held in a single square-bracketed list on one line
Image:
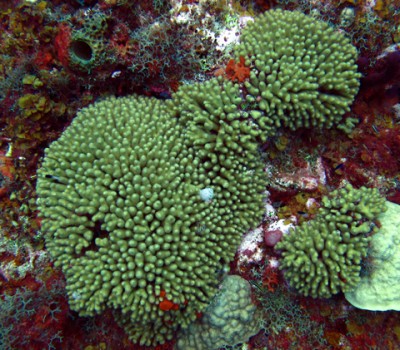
[(200, 174)]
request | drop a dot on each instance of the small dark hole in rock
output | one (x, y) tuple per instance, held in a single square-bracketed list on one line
[(82, 50)]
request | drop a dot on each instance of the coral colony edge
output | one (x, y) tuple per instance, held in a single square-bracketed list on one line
[(200, 174)]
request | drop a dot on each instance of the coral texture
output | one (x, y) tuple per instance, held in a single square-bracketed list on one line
[(119, 197), (378, 289), (323, 256), (303, 72), (120, 190), (216, 123), (230, 319)]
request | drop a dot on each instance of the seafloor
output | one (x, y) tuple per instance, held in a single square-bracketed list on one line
[(58, 57)]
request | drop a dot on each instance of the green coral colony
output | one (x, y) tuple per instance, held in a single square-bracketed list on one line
[(323, 257), (119, 191), (125, 220), (304, 72)]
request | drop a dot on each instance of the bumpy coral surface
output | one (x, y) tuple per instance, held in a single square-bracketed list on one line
[(229, 319), (303, 72), (323, 256), (216, 123), (379, 288), (119, 193)]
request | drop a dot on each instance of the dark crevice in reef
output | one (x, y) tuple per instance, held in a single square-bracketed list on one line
[(98, 232), (332, 92)]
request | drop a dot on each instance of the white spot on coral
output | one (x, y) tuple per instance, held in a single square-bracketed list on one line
[(76, 296), (207, 194)]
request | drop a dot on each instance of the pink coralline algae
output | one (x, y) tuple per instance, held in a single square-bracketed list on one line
[(272, 237)]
